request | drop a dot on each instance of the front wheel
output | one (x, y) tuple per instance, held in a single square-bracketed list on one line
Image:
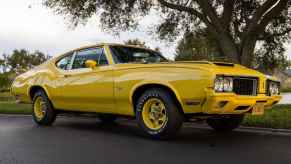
[(43, 112), (225, 123), (158, 114)]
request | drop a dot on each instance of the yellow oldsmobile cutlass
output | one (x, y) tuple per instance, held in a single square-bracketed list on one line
[(114, 80)]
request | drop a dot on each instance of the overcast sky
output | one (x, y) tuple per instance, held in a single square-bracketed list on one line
[(27, 24)]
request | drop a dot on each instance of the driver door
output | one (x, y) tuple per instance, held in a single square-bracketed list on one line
[(86, 89)]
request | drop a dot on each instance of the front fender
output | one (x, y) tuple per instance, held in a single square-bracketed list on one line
[(154, 82)]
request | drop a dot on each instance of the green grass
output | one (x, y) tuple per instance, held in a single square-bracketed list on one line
[(10, 107), (6, 96), (278, 117), (287, 89)]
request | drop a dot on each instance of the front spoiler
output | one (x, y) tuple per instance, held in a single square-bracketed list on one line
[(230, 103)]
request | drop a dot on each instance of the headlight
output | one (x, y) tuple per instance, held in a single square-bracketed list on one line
[(273, 88), (223, 84)]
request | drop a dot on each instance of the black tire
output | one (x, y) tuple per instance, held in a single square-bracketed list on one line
[(173, 113), (225, 123), (107, 118), (49, 112)]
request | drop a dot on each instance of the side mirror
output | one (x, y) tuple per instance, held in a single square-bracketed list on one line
[(91, 64)]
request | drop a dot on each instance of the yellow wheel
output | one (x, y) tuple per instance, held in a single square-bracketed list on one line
[(43, 112), (154, 114), (158, 113), (39, 108)]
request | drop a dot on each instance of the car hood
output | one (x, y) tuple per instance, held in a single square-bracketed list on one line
[(213, 67)]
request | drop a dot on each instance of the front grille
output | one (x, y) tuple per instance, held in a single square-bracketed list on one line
[(245, 86)]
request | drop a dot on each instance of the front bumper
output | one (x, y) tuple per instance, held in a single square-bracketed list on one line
[(230, 103)]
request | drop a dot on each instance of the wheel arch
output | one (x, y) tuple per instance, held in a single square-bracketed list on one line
[(141, 88), (33, 89)]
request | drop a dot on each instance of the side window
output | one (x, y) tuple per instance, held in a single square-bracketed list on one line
[(64, 63), (119, 56), (88, 54), (103, 59)]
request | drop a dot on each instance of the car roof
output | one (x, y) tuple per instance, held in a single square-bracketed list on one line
[(112, 44), (102, 44)]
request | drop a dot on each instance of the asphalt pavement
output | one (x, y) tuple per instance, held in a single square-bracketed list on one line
[(85, 140)]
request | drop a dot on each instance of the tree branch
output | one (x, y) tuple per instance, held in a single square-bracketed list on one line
[(261, 19), (261, 10), (227, 13), (259, 14), (268, 35), (190, 10), (181, 8), (238, 33), (208, 9), (188, 2), (269, 15)]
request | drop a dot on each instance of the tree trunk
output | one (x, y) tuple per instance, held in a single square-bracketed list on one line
[(242, 53), (247, 52), (228, 48)]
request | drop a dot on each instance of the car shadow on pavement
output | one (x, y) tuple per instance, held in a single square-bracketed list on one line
[(71, 138), (187, 135)]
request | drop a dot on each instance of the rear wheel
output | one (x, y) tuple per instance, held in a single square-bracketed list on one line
[(43, 112), (158, 114), (225, 123)]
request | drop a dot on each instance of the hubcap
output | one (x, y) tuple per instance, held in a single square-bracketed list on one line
[(39, 108), (154, 114)]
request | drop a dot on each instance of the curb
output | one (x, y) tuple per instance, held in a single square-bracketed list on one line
[(15, 115), (257, 130), (265, 129)]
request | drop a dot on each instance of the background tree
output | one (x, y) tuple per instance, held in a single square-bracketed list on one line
[(235, 25), (197, 46), (3, 63), (21, 60), (201, 46), (136, 42), (139, 43), (270, 58), (18, 62), (4, 81)]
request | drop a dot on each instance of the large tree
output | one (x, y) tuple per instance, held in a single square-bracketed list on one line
[(269, 57), (21, 60), (197, 46), (136, 42), (139, 43), (236, 25), (18, 62)]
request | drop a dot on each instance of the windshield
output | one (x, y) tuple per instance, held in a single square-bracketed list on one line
[(123, 54)]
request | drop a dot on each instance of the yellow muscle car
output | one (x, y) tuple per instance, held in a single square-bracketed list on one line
[(112, 80)]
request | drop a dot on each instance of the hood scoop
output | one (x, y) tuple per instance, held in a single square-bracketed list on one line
[(223, 64)]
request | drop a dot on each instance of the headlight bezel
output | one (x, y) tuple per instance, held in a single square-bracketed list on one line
[(272, 87), (223, 84)]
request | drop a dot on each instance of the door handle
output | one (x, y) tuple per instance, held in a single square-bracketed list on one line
[(65, 76)]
